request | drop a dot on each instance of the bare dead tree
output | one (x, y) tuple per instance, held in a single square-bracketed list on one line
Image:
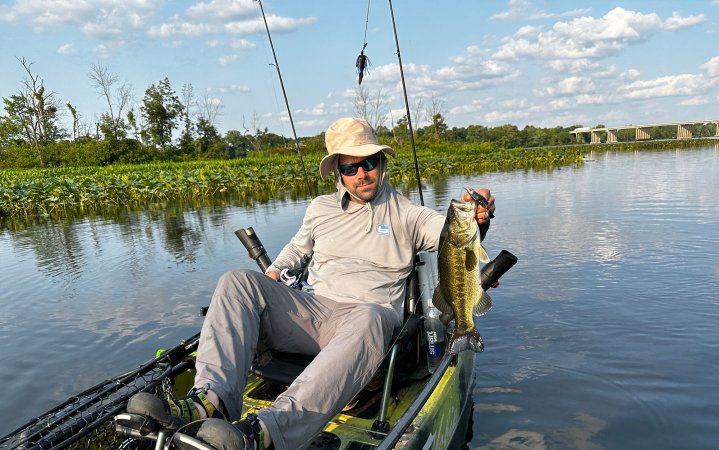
[(210, 108), (117, 101), (435, 106), (34, 109), (418, 113), (372, 108), (75, 120)]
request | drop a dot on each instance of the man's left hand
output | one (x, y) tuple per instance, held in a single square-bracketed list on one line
[(482, 213)]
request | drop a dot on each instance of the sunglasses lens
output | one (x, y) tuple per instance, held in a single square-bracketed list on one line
[(367, 165)]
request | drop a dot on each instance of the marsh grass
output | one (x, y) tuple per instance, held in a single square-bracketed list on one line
[(61, 191)]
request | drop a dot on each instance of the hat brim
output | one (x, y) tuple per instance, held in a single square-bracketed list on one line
[(329, 162)]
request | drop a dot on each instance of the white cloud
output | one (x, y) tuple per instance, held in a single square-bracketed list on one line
[(711, 67), (227, 59), (276, 23), (232, 89), (567, 86), (241, 43), (172, 44), (99, 19), (676, 22), (522, 10), (581, 100), (695, 101), (68, 49), (683, 84), (629, 74), (222, 10), (180, 28), (108, 49), (588, 37)]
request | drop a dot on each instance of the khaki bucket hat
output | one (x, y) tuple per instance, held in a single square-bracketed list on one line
[(353, 137)]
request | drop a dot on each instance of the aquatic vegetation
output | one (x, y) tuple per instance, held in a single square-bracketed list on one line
[(61, 190)]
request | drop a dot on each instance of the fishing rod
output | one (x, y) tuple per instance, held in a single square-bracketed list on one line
[(287, 104), (406, 104)]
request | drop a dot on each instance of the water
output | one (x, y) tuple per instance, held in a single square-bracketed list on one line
[(603, 336)]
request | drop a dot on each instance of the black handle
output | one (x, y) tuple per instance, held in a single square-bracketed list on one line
[(254, 247), (493, 270)]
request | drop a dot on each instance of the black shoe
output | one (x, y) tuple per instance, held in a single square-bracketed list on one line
[(172, 414), (223, 435)]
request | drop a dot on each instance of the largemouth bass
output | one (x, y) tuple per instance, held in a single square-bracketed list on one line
[(459, 294)]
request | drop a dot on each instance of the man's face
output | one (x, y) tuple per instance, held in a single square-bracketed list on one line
[(364, 183)]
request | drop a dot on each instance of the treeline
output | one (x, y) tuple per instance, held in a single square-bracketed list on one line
[(168, 125)]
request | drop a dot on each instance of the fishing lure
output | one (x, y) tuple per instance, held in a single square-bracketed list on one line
[(362, 65), (480, 200)]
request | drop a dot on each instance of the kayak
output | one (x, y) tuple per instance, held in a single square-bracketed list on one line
[(421, 413), (406, 406)]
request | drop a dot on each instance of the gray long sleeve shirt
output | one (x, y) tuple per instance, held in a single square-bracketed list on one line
[(362, 253)]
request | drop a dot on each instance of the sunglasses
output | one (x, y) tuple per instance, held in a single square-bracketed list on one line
[(366, 164)]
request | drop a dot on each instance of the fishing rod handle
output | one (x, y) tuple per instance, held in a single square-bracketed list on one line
[(493, 270), (254, 247)]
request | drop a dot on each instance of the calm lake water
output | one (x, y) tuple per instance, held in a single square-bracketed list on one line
[(604, 336)]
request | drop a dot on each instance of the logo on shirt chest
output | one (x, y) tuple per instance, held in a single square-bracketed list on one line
[(383, 229)]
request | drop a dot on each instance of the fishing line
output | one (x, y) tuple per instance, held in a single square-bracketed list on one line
[(287, 104), (362, 62), (273, 87), (406, 103)]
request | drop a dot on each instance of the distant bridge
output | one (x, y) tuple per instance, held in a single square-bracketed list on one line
[(641, 132)]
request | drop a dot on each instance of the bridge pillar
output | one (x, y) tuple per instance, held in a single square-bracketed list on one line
[(716, 133), (596, 139), (642, 134), (612, 136), (683, 132)]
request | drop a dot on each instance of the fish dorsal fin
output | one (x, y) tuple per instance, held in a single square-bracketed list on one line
[(483, 305)]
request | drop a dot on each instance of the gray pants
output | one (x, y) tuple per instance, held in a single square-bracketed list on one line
[(349, 339)]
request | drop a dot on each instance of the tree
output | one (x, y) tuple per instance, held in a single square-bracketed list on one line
[(237, 143), (209, 141), (33, 113), (186, 144), (111, 123), (209, 108), (75, 121), (435, 110), (401, 131), (371, 108), (161, 110)]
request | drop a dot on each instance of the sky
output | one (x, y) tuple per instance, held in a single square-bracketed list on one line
[(479, 62)]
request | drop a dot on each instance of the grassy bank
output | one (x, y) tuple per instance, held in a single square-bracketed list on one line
[(58, 191)]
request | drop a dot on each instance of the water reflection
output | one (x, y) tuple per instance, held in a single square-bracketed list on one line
[(605, 329)]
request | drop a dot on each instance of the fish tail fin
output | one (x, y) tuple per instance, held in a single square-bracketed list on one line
[(470, 340), (483, 306)]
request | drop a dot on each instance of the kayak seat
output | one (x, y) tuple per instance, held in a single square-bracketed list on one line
[(284, 367), (404, 357)]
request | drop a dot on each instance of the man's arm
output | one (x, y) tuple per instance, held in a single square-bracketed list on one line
[(291, 256), (427, 223)]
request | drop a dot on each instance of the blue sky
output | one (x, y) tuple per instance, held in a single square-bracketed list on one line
[(524, 62)]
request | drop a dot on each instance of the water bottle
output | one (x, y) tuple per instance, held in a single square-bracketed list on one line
[(434, 333), (433, 328)]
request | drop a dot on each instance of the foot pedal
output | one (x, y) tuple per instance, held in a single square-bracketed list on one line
[(136, 426)]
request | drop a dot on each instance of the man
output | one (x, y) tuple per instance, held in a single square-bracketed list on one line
[(362, 240)]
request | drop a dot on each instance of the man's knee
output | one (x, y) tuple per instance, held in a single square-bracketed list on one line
[(239, 285), (240, 280), (375, 319)]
